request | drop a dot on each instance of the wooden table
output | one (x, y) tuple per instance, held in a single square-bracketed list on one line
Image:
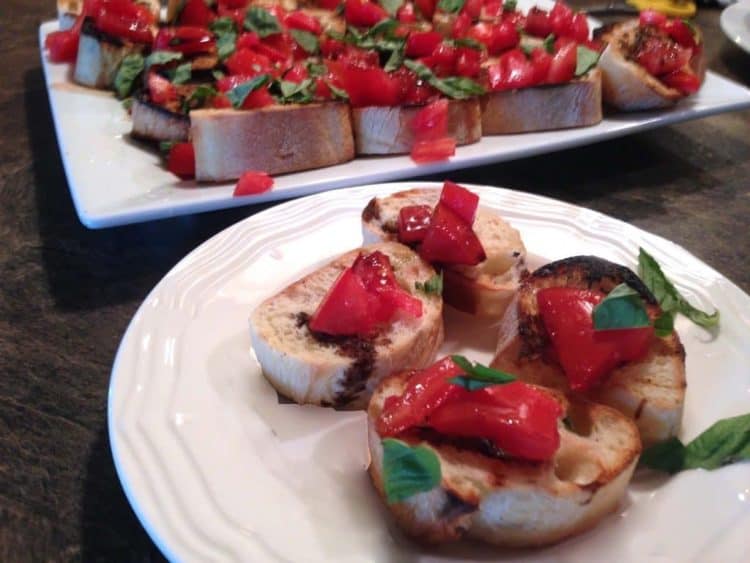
[(68, 293)]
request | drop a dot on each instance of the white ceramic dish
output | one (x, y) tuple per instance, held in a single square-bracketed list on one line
[(217, 469), (735, 22), (115, 181)]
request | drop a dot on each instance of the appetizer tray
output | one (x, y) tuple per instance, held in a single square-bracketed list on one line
[(115, 180), (218, 469)]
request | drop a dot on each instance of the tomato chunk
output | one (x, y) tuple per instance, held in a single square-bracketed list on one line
[(185, 39), (422, 43), (304, 22), (253, 182), (587, 355), (450, 239), (181, 160), (433, 150), (160, 89), (431, 122), (413, 221), (686, 82), (363, 13), (62, 46), (461, 201), (197, 13)]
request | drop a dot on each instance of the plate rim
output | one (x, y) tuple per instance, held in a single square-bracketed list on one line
[(151, 527), (741, 8)]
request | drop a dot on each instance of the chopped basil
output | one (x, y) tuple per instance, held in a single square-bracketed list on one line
[(457, 87), (130, 68), (239, 93), (726, 441), (586, 59), (162, 57), (395, 59), (306, 40), (316, 69), (549, 43), (217, 74), (198, 97), (226, 36), (182, 74), (391, 6), (451, 6), (166, 146), (337, 92), (293, 92), (510, 5), (127, 103), (477, 375), (262, 22), (467, 42), (408, 470), (383, 27), (621, 308), (223, 25), (432, 285), (666, 293)]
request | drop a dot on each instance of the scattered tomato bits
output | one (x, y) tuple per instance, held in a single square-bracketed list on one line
[(253, 183)]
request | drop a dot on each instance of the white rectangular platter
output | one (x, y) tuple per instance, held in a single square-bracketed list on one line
[(115, 181)]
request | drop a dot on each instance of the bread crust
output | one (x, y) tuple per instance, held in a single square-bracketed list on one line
[(650, 391), (626, 85), (575, 104), (342, 371), (510, 502), (275, 139), (387, 129), (485, 289), (100, 56), (155, 123)]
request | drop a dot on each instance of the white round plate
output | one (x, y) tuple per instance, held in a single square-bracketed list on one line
[(218, 469), (735, 22)]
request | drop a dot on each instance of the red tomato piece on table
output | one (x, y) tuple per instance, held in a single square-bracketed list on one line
[(433, 150), (253, 182), (181, 160), (450, 239)]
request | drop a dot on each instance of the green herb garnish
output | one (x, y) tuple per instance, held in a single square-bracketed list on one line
[(434, 285), (586, 59), (182, 74), (306, 40), (510, 5), (621, 308), (130, 68), (408, 470), (162, 57), (477, 376), (262, 22), (549, 43), (198, 97), (451, 6), (239, 93), (295, 92), (457, 87), (391, 6)]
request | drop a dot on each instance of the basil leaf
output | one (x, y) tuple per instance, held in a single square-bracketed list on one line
[(482, 373), (451, 6), (621, 308), (293, 92), (262, 22), (217, 74), (221, 26), (468, 383), (457, 87), (468, 42), (306, 40), (726, 441), (162, 57), (132, 66), (239, 93), (432, 285), (391, 6), (586, 59), (337, 92), (316, 69), (510, 5), (182, 74), (549, 43), (226, 43), (198, 97), (666, 293), (166, 146), (383, 27), (664, 325), (127, 103), (408, 470), (395, 60)]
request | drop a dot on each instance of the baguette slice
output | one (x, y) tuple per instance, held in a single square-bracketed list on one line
[(100, 56), (485, 289), (342, 371), (510, 502), (153, 122), (651, 391), (275, 139), (626, 85), (575, 104), (387, 129)]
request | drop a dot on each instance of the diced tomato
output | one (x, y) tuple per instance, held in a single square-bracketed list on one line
[(322, 90), (442, 60), (425, 391), (248, 63), (297, 73), (579, 27), (259, 98), (497, 37), (587, 355), (181, 160), (563, 65), (541, 60), (468, 62), (684, 81), (253, 182), (331, 47), (363, 13), (303, 21), (328, 4), (433, 150), (561, 19), (187, 40), (376, 272), (431, 122), (472, 8), (493, 8), (538, 22), (160, 89), (406, 13), (516, 18), (661, 56), (652, 17), (450, 239), (124, 19), (368, 86), (426, 8), (237, 14), (247, 40), (412, 90), (461, 26), (422, 43), (196, 12), (460, 200), (62, 46), (347, 309), (413, 221), (520, 424), (220, 101), (233, 4), (512, 71), (678, 30)]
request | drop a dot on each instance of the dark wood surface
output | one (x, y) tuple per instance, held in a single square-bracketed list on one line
[(68, 293)]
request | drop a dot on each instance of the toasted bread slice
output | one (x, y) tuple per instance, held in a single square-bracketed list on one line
[(510, 502), (100, 56), (342, 371), (651, 391), (484, 289), (152, 122), (575, 104), (626, 85), (387, 130), (275, 139)]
